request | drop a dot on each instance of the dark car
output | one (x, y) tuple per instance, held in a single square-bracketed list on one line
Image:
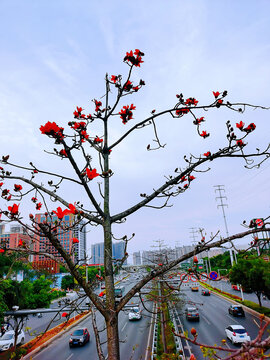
[(79, 337), (205, 292), (236, 310), (192, 313)]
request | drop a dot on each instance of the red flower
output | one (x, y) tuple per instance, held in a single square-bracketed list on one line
[(136, 88), (1, 184), (38, 206), (72, 209), (91, 174), (185, 186), (220, 101), (160, 264), (98, 105), (195, 259), (193, 331), (84, 135), (2, 251), (52, 129), (79, 125), (135, 59), (14, 209), (240, 125), (182, 111), (63, 153), (98, 140), (75, 240), (35, 171), (101, 294), (126, 113), (204, 134), (216, 94), (183, 178), (191, 177), (31, 216), (240, 143), (250, 127), (34, 199), (60, 213), (114, 78), (191, 101), (192, 357), (17, 187), (65, 314), (20, 243), (207, 154), (127, 86), (198, 121)]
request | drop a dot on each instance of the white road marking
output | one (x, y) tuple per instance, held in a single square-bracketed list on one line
[(123, 328), (208, 322), (232, 319), (70, 356)]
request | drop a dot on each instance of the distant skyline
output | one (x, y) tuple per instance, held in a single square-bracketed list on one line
[(55, 57)]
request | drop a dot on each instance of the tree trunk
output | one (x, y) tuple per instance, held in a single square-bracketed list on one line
[(113, 336), (259, 298)]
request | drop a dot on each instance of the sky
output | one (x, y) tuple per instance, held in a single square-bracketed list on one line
[(55, 55)]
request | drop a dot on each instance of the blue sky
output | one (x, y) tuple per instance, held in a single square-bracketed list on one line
[(55, 55)]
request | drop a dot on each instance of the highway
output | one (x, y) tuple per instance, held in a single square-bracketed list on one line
[(214, 318), (133, 337), (226, 286)]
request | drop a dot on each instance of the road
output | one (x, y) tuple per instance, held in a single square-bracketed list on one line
[(133, 336), (226, 286), (214, 318)]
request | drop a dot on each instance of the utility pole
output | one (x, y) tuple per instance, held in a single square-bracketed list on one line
[(219, 189)]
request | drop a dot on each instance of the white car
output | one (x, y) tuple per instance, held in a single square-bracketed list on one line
[(237, 334), (135, 313), (7, 340)]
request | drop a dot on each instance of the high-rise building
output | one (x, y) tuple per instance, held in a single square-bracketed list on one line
[(65, 237), (11, 239), (97, 252), (137, 258)]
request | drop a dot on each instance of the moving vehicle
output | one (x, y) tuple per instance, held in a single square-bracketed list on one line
[(236, 310), (205, 292), (119, 291), (7, 340), (192, 313), (236, 287), (79, 337), (237, 334), (135, 313), (194, 288)]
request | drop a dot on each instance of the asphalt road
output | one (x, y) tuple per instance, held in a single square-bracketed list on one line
[(214, 318), (226, 286), (133, 336)]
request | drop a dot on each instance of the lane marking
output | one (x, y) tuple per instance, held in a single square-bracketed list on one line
[(208, 322), (70, 356), (232, 319)]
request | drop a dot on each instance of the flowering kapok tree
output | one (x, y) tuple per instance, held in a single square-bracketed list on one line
[(75, 143)]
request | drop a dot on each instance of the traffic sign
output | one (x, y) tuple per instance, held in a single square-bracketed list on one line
[(213, 275), (184, 278), (204, 276), (193, 278)]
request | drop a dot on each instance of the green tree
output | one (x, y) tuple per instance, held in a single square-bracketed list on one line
[(67, 282), (252, 274)]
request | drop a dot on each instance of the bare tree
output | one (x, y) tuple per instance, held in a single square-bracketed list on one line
[(76, 147)]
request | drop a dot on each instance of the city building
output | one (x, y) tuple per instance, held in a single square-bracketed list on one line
[(97, 252), (65, 237), (11, 239), (137, 258)]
